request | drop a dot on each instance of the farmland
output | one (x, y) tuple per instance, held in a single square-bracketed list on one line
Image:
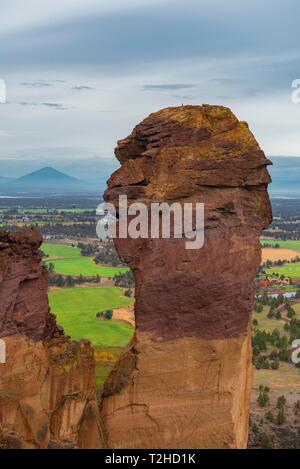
[(76, 309), (290, 244), (288, 270), (67, 260), (272, 254)]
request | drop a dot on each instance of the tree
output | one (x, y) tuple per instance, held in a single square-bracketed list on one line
[(266, 441), (263, 397), (254, 322), (296, 407), (70, 282), (277, 315), (108, 314), (281, 401), (269, 416), (291, 313), (280, 419), (275, 365), (128, 293), (258, 308)]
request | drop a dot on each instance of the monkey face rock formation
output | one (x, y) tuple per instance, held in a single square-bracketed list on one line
[(47, 383), (185, 379)]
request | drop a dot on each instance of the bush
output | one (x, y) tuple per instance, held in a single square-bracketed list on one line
[(263, 397), (281, 401), (280, 419), (108, 314), (128, 293), (296, 407), (277, 315), (266, 441), (275, 365), (269, 416)]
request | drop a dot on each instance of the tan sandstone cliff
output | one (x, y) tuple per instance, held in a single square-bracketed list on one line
[(47, 384), (185, 379)]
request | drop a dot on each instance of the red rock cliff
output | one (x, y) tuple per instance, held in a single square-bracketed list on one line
[(185, 379), (47, 384)]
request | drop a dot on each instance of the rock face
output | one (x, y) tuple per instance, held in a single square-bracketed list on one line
[(47, 383), (185, 379)]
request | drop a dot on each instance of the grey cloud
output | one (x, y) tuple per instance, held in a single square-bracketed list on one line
[(183, 97), (168, 87), (82, 88), (251, 92), (37, 84), (227, 81), (57, 106)]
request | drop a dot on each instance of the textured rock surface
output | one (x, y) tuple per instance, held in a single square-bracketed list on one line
[(185, 379), (47, 385)]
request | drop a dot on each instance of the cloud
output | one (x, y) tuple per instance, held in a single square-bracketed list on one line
[(227, 81), (183, 97), (168, 87), (57, 106), (16, 16), (36, 84), (82, 88), (251, 92)]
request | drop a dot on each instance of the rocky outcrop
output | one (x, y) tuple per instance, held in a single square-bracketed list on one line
[(47, 383), (184, 381)]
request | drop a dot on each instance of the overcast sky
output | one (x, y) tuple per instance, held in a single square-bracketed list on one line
[(81, 73)]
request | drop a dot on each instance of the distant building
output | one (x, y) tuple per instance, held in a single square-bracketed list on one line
[(264, 283)]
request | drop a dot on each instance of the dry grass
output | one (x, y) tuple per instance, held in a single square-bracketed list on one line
[(276, 254)]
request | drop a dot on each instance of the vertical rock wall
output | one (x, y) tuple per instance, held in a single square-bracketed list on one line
[(184, 381), (47, 383)]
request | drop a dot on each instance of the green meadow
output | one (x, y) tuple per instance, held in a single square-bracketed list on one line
[(60, 251), (67, 260), (289, 270), (76, 308), (294, 245)]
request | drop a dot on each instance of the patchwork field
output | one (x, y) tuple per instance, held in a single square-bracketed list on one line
[(277, 254), (60, 251), (267, 324), (76, 309), (294, 245), (288, 270), (67, 260)]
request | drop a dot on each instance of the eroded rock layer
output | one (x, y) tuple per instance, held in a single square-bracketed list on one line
[(185, 379), (47, 383)]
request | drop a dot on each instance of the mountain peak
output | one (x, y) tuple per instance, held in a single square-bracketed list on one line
[(44, 180)]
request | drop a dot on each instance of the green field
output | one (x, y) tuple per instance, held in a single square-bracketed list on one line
[(289, 270), (60, 251), (267, 324), (76, 309), (294, 245), (84, 266), (68, 261)]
